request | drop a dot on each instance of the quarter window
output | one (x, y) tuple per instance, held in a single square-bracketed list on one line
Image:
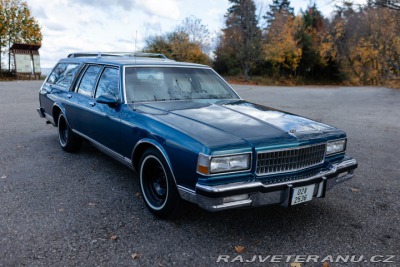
[(63, 75), (88, 81), (108, 84)]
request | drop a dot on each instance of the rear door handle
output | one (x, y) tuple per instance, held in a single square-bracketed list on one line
[(92, 104), (69, 95)]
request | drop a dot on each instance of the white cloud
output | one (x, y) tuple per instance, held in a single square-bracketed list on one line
[(105, 4), (54, 26), (167, 8)]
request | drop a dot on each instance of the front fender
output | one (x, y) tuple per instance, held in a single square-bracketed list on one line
[(142, 145)]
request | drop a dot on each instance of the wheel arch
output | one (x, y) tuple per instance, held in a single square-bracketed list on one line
[(142, 146), (56, 111)]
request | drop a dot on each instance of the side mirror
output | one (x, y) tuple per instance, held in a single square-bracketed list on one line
[(108, 99)]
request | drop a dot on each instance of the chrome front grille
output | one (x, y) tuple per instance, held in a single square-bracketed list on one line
[(287, 160)]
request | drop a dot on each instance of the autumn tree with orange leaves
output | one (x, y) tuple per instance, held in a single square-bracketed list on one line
[(367, 43), (281, 44), (17, 25), (188, 42)]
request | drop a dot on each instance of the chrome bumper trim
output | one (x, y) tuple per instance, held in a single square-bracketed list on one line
[(41, 112), (211, 197)]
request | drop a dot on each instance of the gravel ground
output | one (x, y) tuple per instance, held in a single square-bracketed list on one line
[(61, 209)]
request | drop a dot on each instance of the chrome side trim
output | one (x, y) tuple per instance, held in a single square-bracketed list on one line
[(124, 160)]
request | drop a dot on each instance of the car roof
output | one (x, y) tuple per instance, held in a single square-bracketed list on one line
[(122, 60)]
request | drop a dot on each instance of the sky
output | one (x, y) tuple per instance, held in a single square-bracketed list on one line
[(123, 25)]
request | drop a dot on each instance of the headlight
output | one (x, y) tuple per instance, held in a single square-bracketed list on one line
[(211, 165), (335, 147)]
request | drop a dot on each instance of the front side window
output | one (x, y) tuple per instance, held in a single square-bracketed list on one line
[(108, 83), (88, 81), (63, 74), (174, 83)]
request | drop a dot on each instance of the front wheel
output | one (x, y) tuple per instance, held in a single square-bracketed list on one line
[(68, 140), (158, 186)]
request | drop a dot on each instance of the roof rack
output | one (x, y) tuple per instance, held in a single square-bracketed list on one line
[(116, 54)]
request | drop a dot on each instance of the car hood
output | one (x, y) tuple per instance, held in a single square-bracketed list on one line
[(226, 121)]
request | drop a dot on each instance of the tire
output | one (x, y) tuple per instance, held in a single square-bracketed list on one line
[(68, 140), (157, 185)]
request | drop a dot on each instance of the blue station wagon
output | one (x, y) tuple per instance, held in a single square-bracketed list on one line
[(189, 135)]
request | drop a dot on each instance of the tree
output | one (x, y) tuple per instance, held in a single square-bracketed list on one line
[(188, 42), (281, 7), (225, 61), (176, 45), (281, 46), (242, 35), (368, 44), (17, 25), (391, 4), (197, 32), (316, 60)]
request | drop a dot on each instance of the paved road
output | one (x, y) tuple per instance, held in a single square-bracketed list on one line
[(60, 209)]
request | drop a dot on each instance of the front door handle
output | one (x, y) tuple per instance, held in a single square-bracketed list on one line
[(69, 95), (92, 104)]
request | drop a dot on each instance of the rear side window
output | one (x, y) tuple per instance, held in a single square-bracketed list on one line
[(63, 74), (108, 84), (88, 82)]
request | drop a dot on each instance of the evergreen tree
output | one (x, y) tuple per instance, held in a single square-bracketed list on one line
[(278, 6), (241, 36), (310, 36)]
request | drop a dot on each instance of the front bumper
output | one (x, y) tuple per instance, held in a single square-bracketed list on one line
[(244, 194)]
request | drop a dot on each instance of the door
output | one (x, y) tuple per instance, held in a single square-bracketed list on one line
[(80, 105), (106, 128)]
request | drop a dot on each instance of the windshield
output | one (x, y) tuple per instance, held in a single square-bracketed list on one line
[(174, 83)]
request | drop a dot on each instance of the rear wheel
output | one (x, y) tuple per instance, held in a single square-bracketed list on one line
[(68, 140), (157, 185)]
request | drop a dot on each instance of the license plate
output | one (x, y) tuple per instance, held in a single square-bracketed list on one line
[(302, 194)]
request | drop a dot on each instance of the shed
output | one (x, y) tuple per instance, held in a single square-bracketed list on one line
[(26, 61)]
